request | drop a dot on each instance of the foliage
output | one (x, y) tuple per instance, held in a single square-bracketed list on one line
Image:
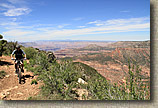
[(1, 37), (10, 47), (100, 58), (30, 52), (2, 45), (34, 82), (2, 74), (134, 88), (60, 78)]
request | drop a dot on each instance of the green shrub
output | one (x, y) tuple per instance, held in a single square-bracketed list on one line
[(59, 78), (30, 52), (2, 74), (10, 47), (34, 82), (2, 46)]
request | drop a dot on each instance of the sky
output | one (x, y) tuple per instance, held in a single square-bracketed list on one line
[(109, 20)]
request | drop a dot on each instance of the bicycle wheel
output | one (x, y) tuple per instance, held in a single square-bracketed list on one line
[(19, 75)]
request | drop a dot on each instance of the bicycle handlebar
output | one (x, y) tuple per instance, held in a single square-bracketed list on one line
[(19, 59)]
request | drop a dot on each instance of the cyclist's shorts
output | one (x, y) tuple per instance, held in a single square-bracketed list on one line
[(17, 61)]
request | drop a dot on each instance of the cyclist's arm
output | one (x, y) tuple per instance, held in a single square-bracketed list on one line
[(12, 53), (24, 53)]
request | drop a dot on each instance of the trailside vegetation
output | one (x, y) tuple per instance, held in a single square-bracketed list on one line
[(60, 81), (2, 45), (60, 78)]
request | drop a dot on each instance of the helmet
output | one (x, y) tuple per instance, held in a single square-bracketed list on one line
[(18, 46)]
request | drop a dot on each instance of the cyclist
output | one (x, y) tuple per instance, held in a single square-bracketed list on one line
[(18, 55)]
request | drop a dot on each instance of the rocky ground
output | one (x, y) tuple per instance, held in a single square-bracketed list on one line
[(10, 89)]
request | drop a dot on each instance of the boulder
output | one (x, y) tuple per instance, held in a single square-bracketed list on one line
[(82, 93), (80, 80)]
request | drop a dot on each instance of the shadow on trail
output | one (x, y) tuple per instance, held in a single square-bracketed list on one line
[(2, 63), (23, 80)]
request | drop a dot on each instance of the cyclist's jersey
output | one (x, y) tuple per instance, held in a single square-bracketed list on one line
[(18, 54)]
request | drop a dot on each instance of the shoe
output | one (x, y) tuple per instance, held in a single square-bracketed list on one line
[(22, 70)]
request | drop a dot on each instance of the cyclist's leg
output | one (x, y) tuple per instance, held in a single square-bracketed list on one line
[(16, 65), (22, 65)]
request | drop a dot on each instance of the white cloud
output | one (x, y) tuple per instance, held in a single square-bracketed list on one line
[(15, 8), (17, 12), (98, 30), (63, 25), (17, 33), (94, 22), (13, 19), (81, 26), (8, 24), (7, 5), (78, 19), (127, 21), (16, 1), (111, 26), (125, 11), (120, 21)]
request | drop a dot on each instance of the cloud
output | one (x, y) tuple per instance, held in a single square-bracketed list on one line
[(78, 19), (15, 8), (111, 26), (16, 1), (17, 12), (17, 33), (8, 24), (124, 11), (63, 25), (99, 30), (120, 21), (81, 26), (94, 22), (5, 5), (13, 19)]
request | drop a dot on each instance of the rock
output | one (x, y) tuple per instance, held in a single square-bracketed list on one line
[(7, 76), (80, 80), (2, 96), (20, 93), (82, 93), (73, 89), (16, 87), (8, 93)]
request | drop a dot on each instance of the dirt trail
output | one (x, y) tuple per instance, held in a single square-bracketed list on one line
[(10, 89)]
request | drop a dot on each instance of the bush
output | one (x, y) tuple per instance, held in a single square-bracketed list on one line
[(1, 37), (10, 47), (134, 88), (2, 46), (2, 74), (34, 82), (30, 52), (59, 78)]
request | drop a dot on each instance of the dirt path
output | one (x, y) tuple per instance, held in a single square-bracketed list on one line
[(10, 89)]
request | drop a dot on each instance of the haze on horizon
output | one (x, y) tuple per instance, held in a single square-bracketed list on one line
[(114, 20)]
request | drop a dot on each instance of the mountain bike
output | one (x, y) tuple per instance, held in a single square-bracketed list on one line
[(19, 67)]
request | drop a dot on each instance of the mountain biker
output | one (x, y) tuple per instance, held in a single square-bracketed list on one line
[(18, 56)]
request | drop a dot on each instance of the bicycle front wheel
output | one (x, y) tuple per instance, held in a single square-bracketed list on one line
[(19, 75)]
